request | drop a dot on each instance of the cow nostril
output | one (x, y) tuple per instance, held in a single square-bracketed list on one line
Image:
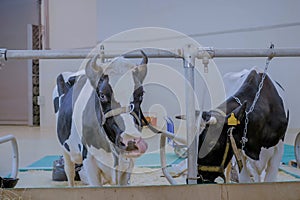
[(131, 146)]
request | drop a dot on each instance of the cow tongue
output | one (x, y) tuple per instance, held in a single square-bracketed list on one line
[(142, 145)]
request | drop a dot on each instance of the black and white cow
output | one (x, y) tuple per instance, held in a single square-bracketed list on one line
[(266, 128), (98, 119)]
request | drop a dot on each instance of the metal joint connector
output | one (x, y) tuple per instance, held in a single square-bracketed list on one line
[(206, 52), (3, 54)]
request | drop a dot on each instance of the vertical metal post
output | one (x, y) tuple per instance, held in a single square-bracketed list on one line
[(189, 64)]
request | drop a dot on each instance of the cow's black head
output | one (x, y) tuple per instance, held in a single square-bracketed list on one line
[(212, 140), (118, 115)]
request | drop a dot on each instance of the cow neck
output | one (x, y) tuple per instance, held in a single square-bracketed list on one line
[(230, 142)]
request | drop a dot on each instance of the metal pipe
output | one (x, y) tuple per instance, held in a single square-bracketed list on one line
[(190, 122), (151, 52), (87, 53), (15, 156), (226, 53)]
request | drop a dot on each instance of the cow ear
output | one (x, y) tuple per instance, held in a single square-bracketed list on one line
[(238, 112), (140, 72), (93, 72)]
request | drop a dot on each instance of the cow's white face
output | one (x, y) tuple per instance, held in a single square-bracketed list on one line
[(119, 85)]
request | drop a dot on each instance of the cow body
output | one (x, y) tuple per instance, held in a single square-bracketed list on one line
[(265, 131), (95, 125)]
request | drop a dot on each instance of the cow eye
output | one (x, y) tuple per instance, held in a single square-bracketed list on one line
[(102, 97)]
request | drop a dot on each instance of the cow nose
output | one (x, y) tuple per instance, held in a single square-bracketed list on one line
[(131, 145)]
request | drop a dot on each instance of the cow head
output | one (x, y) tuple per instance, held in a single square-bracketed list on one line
[(213, 139), (120, 108)]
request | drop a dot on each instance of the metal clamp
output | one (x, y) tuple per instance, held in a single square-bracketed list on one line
[(102, 56), (3, 54)]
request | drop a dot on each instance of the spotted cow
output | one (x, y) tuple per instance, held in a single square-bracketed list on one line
[(262, 132), (98, 119)]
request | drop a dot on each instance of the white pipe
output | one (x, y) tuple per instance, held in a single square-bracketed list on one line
[(168, 134), (15, 156), (163, 161)]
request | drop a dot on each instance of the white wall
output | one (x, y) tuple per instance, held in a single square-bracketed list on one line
[(195, 18), (72, 24), (14, 81)]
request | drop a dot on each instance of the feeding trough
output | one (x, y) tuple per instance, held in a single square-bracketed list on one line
[(8, 182)]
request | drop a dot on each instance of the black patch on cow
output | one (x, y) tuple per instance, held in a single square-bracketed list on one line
[(137, 101), (92, 133), (66, 146), (61, 85), (113, 126), (84, 152), (56, 104), (64, 120)]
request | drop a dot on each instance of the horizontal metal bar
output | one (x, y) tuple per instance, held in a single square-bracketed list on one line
[(225, 53), (87, 53), (151, 52)]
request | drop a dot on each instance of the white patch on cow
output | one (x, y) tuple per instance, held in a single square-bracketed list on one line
[(266, 168), (120, 78), (80, 105), (130, 128), (104, 161), (73, 143)]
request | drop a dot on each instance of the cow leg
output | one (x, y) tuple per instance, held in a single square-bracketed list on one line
[(92, 171), (259, 166), (69, 169), (274, 162), (228, 172), (245, 175), (124, 170)]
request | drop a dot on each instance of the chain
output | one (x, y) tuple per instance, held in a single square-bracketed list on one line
[(261, 84)]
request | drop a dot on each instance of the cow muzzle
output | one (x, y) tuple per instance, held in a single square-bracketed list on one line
[(135, 147)]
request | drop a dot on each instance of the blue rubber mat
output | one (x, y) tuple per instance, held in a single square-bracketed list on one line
[(151, 160), (288, 154), (45, 163)]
